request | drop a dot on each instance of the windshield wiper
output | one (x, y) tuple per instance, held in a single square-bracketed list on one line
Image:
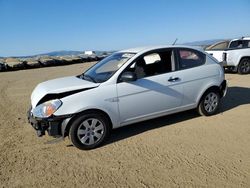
[(87, 77)]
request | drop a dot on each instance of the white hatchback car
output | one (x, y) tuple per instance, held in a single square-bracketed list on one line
[(127, 87)]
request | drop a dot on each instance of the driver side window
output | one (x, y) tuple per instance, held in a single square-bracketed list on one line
[(153, 64)]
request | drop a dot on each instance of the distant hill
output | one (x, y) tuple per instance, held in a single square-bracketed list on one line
[(60, 53), (64, 52), (204, 42), (54, 53)]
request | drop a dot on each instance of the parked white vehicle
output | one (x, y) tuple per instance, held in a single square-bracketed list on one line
[(234, 55), (127, 87)]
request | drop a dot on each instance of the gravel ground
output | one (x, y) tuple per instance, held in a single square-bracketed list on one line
[(181, 150)]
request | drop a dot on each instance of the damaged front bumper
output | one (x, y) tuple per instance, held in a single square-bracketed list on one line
[(53, 125)]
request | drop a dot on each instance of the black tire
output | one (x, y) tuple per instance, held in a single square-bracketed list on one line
[(244, 66), (82, 132), (209, 103)]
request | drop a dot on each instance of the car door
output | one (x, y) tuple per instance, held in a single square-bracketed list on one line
[(156, 93), (194, 74)]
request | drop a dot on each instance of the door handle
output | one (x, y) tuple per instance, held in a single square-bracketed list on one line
[(173, 79)]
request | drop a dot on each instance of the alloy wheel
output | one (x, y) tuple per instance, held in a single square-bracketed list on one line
[(90, 131), (211, 102), (245, 67)]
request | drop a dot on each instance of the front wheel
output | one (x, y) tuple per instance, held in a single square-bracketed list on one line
[(209, 103), (244, 66), (89, 131)]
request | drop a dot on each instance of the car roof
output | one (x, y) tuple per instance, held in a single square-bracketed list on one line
[(149, 48)]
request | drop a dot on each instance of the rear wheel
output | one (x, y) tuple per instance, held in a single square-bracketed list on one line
[(89, 131), (209, 103), (244, 66)]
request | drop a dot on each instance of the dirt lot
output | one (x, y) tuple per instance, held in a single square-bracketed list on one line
[(182, 150)]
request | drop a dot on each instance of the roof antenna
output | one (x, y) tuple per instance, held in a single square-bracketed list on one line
[(175, 41)]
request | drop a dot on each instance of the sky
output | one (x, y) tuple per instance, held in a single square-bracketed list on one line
[(29, 27)]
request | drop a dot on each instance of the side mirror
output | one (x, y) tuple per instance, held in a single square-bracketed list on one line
[(128, 77)]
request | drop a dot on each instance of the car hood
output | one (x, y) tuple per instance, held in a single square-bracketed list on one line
[(58, 86)]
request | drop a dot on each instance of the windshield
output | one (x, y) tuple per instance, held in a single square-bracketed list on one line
[(104, 69)]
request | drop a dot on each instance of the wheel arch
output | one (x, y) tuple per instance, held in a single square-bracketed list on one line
[(211, 88), (67, 123), (244, 57)]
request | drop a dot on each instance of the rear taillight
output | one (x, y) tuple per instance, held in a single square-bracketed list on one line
[(224, 56)]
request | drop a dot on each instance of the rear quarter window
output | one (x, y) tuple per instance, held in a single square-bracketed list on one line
[(190, 58)]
